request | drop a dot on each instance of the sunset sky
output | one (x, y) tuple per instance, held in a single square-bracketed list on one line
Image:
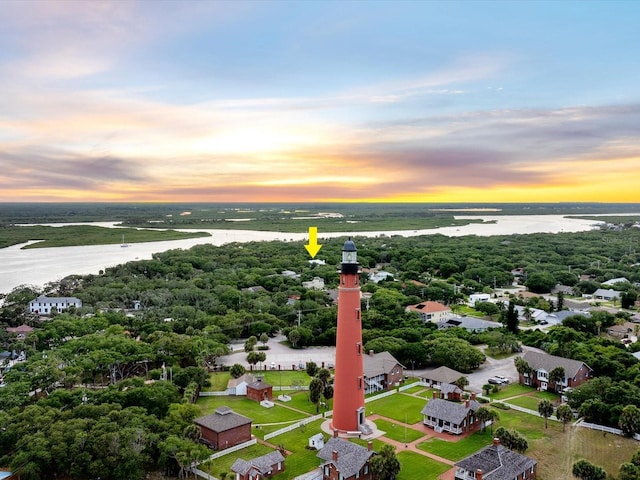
[(306, 101)]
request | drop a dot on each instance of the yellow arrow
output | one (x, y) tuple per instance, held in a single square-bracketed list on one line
[(312, 247)]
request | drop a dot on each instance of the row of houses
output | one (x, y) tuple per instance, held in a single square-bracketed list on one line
[(341, 459)]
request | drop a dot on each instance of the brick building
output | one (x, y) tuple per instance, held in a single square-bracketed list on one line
[(259, 390), (258, 468), (344, 460), (224, 428)]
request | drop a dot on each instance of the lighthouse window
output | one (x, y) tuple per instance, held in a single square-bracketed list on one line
[(359, 348), (357, 314), (360, 382)]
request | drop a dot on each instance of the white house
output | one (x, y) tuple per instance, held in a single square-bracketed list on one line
[(238, 386), (602, 294), (614, 281), (478, 297), (317, 283), (46, 305)]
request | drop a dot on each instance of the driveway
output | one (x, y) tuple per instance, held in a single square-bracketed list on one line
[(282, 355)]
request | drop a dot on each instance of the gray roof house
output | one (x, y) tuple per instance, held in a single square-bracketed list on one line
[(446, 416), (345, 460), (439, 376), (266, 465), (575, 371), (496, 462), (381, 371), (470, 324), (603, 294)]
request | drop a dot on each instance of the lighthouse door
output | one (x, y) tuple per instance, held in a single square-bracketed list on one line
[(361, 416)]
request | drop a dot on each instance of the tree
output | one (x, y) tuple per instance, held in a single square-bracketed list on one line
[(294, 337), (312, 369), (486, 388), (545, 409), (522, 367), (461, 382), (540, 282), (385, 465), (512, 318), (560, 301), (629, 421), (564, 414), (556, 375), (237, 370), (587, 471), (253, 358), (264, 338), (315, 391), (512, 439), (485, 415), (250, 343)]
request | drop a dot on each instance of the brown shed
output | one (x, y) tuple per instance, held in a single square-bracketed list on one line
[(259, 391)]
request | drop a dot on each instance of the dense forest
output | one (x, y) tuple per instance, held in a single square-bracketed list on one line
[(83, 404)]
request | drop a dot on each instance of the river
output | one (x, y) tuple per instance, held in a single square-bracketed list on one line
[(38, 266)]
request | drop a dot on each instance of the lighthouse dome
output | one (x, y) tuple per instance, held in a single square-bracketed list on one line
[(349, 246)]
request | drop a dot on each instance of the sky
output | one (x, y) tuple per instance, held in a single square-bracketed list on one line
[(319, 101)]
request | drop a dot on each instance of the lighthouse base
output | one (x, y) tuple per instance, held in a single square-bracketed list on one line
[(368, 430)]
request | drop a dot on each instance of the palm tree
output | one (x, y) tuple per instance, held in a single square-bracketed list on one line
[(564, 414), (545, 409)]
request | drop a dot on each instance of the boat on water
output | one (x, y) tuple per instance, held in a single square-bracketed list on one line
[(123, 244)]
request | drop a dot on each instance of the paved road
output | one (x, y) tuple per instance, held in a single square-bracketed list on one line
[(281, 354)]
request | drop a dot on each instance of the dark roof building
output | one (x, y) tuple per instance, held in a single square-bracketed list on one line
[(224, 428), (266, 465), (345, 460), (447, 416), (496, 462), (575, 371)]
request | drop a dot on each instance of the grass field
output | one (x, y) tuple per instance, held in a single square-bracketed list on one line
[(525, 401), (400, 407), (398, 432), (414, 466), (511, 391), (555, 450), (456, 450), (218, 382)]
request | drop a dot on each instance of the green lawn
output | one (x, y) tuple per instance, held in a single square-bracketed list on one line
[(250, 409), (456, 450), (400, 407), (413, 466), (414, 390), (526, 401), (286, 378), (396, 432), (511, 391), (219, 381), (300, 400)]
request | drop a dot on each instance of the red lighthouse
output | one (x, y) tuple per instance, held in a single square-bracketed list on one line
[(348, 404)]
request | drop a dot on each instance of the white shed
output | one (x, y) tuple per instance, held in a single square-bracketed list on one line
[(317, 441)]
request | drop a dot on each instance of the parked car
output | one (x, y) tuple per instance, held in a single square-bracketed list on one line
[(503, 379), (495, 381)]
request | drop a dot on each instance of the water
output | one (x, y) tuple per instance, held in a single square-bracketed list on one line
[(43, 265)]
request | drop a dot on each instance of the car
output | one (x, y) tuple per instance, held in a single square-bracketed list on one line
[(501, 378), (495, 381)]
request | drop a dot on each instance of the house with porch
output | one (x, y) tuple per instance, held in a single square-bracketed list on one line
[(238, 386), (258, 468), (496, 462), (344, 460), (542, 364), (446, 416), (224, 428), (381, 371)]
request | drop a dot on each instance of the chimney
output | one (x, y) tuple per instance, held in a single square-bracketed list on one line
[(371, 353), (473, 395), (496, 441), (370, 445), (335, 434), (334, 456), (466, 403), (435, 394), (479, 474)]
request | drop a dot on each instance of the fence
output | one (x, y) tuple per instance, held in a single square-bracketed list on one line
[(293, 426), (602, 428)]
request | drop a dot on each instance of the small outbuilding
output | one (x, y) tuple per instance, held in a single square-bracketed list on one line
[(259, 391), (317, 441)]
